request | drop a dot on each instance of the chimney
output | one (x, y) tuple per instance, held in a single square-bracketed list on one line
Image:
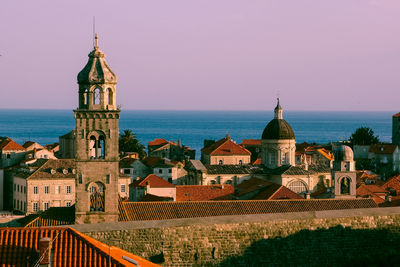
[(44, 251)]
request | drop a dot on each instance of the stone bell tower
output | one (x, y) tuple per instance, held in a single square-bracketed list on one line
[(97, 135)]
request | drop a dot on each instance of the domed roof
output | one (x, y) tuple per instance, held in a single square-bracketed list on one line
[(96, 70), (278, 129), (343, 153)]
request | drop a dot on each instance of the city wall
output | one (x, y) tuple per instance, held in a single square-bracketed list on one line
[(347, 237)]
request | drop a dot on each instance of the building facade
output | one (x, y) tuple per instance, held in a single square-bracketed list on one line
[(97, 133)]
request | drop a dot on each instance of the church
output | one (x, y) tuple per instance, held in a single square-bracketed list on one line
[(278, 148), (97, 156)]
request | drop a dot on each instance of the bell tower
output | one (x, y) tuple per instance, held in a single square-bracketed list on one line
[(97, 133)]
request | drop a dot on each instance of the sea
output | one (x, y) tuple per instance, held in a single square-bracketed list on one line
[(193, 127)]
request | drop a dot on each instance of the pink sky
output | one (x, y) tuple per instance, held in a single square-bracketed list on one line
[(206, 54)]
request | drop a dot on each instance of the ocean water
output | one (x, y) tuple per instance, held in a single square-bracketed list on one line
[(192, 127)]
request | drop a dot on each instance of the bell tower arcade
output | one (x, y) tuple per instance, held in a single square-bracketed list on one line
[(97, 133)]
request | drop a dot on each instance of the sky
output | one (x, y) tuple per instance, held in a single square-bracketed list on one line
[(206, 54)]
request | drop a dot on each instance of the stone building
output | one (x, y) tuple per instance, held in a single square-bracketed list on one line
[(170, 150), (344, 172), (225, 152), (396, 129), (50, 185), (67, 148), (96, 136), (278, 144), (254, 146)]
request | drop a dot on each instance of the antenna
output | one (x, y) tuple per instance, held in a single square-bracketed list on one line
[(94, 31)]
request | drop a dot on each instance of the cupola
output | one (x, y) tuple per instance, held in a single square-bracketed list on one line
[(278, 128)]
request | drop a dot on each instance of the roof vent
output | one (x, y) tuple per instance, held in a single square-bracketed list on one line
[(53, 171), (65, 171)]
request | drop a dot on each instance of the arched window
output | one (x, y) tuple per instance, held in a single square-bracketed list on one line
[(212, 182), (97, 198), (97, 146), (96, 96), (228, 182), (110, 96), (85, 97), (298, 186), (345, 186), (220, 162), (240, 162)]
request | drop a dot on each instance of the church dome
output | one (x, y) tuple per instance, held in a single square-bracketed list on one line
[(96, 70), (278, 128), (343, 153)]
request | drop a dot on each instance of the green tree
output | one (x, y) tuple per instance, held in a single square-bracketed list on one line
[(128, 142), (363, 136)]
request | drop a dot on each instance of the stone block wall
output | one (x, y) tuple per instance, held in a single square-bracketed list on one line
[(355, 241)]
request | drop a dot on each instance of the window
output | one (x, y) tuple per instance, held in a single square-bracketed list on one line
[(57, 189), (24, 189), (80, 178), (68, 189), (110, 96), (96, 96), (46, 189), (122, 188), (127, 171), (68, 204), (15, 187), (240, 162), (46, 205), (107, 179), (220, 162), (35, 189), (24, 206), (212, 182), (284, 159), (297, 187), (169, 170), (160, 171), (8, 156), (35, 206), (345, 186), (17, 204)]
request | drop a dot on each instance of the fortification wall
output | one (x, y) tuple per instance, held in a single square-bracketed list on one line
[(351, 237)]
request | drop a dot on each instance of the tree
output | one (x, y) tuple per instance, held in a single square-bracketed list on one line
[(128, 142), (363, 136)]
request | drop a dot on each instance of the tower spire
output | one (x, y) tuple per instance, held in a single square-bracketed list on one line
[(96, 41), (278, 111)]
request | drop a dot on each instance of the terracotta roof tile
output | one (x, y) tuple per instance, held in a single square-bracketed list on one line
[(257, 162), (70, 248), (265, 190), (153, 180), (204, 192), (151, 161), (251, 142), (55, 169), (225, 146), (394, 183), (10, 144), (158, 142), (138, 211), (232, 169)]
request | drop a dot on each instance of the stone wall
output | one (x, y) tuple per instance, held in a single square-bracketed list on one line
[(312, 241)]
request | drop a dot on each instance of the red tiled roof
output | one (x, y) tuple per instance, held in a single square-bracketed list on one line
[(204, 192), (394, 183), (225, 146), (326, 153), (70, 248), (257, 161), (266, 190), (382, 149), (153, 180), (158, 142), (376, 192), (10, 144), (139, 211), (251, 142)]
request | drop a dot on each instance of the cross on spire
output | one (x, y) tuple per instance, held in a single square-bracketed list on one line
[(96, 38)]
